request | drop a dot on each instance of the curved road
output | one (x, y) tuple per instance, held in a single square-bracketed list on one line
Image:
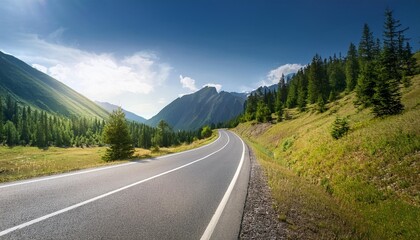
[(197, 194)]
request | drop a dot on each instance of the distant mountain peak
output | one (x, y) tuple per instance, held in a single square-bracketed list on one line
[(205, 106), (128, 115)]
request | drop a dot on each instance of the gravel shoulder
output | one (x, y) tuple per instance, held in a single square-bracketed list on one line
[(260, 220)]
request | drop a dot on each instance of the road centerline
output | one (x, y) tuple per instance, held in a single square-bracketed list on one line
[(26, 224)]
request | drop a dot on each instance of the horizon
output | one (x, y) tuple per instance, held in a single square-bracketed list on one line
[(146, 54)]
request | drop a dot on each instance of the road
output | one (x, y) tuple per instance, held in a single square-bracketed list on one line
[(197, 194)]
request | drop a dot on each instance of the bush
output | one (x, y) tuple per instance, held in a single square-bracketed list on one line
[(340, 127), (206, 132)]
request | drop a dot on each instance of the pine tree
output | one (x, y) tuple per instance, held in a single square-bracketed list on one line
[(279, 112), (392, 49), (368, 58), (387, 97), (292, 93), (302, 91), (318, 83), (41, 140), (366, 45), (263, 114), (251, 107), (336, 75), (116, 134), (11, 134), (281, 94), (352, 68), (366, 84), (25, 135), (321, 104), (409, 64)]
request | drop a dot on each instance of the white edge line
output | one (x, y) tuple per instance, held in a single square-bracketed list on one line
[(26, 224), (102, 168), (216, 216)]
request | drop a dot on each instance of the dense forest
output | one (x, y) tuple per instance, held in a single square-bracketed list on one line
[(22, 125), (375, 70)]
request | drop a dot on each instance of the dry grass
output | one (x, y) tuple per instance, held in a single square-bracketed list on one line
[(25, 162), (374, 170)]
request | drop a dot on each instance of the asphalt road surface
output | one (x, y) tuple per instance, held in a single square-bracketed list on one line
[(197, 194)]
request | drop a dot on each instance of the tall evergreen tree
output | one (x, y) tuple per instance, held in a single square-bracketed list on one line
[(263, 114), (116, 134), (302, 92), (352, 68), (387, 97), (292, 92), (366, 84), (25, 135), (392, 49), (11, 134), (366, 45), (409, 64), (281, 94), (318, 82), (368, 63), (251, 107)]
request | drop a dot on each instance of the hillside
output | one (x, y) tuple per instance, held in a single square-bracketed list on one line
[(205, 106), (128, 115), (364, 185), (32, 87)]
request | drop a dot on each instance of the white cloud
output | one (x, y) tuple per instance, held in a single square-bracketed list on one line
[(57, 35), (97, 76), (40, 67), (217, 86), (188, 83), (161, 101), (274, 75)]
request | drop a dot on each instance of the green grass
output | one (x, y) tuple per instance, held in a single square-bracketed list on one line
[(25, 162), (373, 171)]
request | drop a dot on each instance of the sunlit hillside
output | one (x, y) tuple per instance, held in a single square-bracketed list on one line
[(370, 177)]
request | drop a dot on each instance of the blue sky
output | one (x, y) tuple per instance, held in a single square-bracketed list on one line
[(144, 54)]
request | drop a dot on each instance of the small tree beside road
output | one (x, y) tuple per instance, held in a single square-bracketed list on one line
[(117, 136)]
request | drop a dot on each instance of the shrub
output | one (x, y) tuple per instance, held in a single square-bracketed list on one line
[(206, 132), (340, 127)]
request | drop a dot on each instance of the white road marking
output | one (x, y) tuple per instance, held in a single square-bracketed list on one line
[(99, 169), (23, 225), (216, 216)]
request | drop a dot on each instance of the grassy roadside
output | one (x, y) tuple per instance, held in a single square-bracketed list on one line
[(25, 162), (364, 185)]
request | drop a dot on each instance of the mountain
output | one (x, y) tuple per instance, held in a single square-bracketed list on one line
[(129, 115), (34, 88), (205, 106)]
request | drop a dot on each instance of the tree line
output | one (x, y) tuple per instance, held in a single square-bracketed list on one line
[(375, 70), (25, 126)]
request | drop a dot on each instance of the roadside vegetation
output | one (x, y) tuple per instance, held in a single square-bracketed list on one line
[(364, 185), (340, 141), (21, 162)]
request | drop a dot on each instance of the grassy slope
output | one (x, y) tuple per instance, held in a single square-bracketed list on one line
[(36, 89), (364, 185), (25, 162)]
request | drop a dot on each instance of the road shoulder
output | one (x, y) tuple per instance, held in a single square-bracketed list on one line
[(260, 220)]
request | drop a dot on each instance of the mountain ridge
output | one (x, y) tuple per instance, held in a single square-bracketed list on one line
[(204, 107), (31, 87), (128, 115)]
